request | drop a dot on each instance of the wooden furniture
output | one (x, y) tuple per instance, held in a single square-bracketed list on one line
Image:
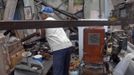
[(10, 54), (93, 45), (15, 50), (15, 58), (4, 62)]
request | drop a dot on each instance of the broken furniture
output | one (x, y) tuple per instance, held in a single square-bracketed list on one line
[(10, 54), (93, 51), (93, 45)]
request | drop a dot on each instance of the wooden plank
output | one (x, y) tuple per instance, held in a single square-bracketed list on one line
[(19, 34), (10, 9), (4, 64), (52, 24)]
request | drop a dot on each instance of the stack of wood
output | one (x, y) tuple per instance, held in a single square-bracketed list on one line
[(4, 57), (15, 50), (10, 54)]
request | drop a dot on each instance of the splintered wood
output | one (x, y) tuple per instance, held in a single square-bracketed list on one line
[(4, 65)]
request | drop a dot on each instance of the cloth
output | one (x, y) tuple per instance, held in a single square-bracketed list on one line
[(57, 38), (122, 66), (61, 61)]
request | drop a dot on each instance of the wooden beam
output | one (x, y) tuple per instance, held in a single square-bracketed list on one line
[(29, 37), (51, 24)]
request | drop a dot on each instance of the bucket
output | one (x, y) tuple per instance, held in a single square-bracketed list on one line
[(38, 58)]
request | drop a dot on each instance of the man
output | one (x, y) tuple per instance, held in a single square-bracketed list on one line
[(59, 43)]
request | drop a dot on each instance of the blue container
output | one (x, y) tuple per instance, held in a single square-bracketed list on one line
[(38, 58)]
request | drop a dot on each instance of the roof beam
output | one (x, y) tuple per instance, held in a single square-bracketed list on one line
[(51, 24)]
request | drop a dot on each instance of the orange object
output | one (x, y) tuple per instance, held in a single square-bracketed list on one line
[(93, 45), (16, 58)]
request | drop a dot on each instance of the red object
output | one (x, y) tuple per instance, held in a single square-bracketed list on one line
[(93, 45)]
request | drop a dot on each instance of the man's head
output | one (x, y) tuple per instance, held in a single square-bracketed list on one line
[(46, 11)]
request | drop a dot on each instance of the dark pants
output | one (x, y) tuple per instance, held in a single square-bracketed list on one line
[(61, 61)]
